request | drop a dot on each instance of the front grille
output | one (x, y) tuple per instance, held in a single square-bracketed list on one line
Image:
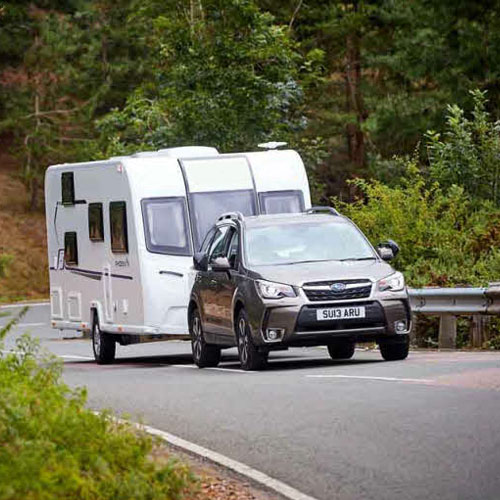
[(321, 290), (307, 321)]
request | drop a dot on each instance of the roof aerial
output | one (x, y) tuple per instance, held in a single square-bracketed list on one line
[(271, 145)]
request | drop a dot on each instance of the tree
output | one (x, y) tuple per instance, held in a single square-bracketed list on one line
[(224, 75)]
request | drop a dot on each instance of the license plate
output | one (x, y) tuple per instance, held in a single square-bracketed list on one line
[(338, 313)]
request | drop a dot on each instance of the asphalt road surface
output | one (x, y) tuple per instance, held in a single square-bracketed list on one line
[(427, 427)]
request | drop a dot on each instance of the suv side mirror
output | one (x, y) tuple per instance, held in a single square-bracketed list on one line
[(200, 261), (388, 249), (385, 253), (220, 264)]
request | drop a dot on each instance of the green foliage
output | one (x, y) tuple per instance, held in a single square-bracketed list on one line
[(224, 75), (469, 153), (54, 448), (445, 239), (5, 261)]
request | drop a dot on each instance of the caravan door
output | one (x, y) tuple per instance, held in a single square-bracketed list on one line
[(216, 186)]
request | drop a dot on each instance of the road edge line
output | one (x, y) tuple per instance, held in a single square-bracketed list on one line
[(24, 304), (242, 469)]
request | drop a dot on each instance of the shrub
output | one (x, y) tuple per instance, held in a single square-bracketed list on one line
[(54, 448), (5, 261), (446, 239)]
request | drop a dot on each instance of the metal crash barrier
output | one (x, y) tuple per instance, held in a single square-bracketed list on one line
[(451, 302)]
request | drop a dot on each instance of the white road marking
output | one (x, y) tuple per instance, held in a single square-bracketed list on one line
[(73, 356), (386, 379), (25, 325), (27, 304), (63, 356), (221, 369), (245, 470)]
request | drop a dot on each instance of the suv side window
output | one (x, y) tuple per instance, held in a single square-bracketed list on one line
[(218, 246), (233, 251)]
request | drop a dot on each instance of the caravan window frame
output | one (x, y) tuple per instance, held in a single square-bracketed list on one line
[(99, 221), (192, 209), (263, 195), (114, 247), (184, 251), (71, 248), (68, 188)]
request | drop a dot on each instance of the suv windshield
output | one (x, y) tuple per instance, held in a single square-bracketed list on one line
[(305, 242)]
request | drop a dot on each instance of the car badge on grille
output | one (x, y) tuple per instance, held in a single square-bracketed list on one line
[(338, 287)]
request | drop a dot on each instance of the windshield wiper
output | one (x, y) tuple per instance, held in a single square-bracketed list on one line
[(359, 258), (301, 262)]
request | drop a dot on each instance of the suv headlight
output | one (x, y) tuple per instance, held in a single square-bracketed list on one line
[(394, 283), (269, 290)]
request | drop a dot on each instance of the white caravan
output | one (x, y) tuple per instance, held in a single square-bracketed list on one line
[(121, 232)]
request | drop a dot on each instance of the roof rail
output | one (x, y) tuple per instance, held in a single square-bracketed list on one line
[(231, 215), (318, 210)]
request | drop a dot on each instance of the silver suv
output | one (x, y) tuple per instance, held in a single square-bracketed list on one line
[(270, 282)]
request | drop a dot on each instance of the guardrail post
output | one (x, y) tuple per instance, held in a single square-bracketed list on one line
[(447, 331), (477, 330)]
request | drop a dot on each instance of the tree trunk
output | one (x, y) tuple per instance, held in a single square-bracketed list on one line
[(355, 105), (34, 193)]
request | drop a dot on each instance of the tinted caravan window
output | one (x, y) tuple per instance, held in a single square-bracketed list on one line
[(68, 188), (207, 207), (166, 225), (118, 226), (96, 222), (70, 249), (281, 202)]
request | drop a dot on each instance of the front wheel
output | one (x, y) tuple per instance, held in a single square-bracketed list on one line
[(395, 350), (103, 344), (204, 355), (250, 357)]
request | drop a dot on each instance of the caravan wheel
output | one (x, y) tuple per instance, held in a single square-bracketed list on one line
[(103, 344)]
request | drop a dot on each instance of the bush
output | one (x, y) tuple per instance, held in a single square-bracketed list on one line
[(54, 448), (5, 261), (446, 239)]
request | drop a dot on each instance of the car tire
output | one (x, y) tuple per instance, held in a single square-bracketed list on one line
[(395, 350), (250, 358), (341, 350), (103, 344), (204, 355)]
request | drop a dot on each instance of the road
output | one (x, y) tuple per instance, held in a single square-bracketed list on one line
[(427, 427)]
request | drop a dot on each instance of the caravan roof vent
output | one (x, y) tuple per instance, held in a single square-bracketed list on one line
[(271, 145), (189, 152)]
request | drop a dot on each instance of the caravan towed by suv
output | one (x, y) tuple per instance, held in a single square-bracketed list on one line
[(270, 282), (122, 232)]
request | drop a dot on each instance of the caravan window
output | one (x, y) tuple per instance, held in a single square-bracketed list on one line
[(166, 225), (70, 249), (207, 207), (118, 226), (67, 188), (281, 202), (96, 222)]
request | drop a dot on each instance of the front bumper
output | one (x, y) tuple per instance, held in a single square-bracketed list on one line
[(299, 327)]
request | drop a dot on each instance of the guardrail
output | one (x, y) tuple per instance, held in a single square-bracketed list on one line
[(451, 302)]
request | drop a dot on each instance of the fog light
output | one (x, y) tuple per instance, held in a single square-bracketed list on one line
[(400, 326), (274, 334)]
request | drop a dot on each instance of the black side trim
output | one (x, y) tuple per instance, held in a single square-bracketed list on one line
[(96, 274)]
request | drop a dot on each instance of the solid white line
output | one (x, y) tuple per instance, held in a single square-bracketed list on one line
[(24, 325), (73, 356), (242, 469), (387, 379), (27, 304), (221, 369), (64, 356)]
